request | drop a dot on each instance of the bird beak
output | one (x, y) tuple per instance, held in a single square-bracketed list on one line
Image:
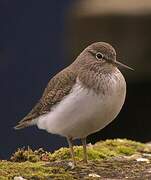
[(117, 63)]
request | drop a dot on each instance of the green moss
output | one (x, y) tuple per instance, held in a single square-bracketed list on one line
[(118, 147), (30, 170), (61, 154), (22, 155), (101, 150), (32, 164)]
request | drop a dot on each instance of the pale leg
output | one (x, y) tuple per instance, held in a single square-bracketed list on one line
[(84, 144), (71, 150)]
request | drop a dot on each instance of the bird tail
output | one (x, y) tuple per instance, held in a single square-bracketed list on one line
[(21, 126), (25, 122)]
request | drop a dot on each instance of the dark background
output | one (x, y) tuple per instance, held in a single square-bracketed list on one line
[(31, 53), (39, 38)]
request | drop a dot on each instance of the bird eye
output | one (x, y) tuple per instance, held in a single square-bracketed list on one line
[(99, 55)]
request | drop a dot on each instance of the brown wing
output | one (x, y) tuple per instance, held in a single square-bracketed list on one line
[(58, 87)]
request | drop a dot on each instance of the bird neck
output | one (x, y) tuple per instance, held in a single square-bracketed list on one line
[(96, 77)]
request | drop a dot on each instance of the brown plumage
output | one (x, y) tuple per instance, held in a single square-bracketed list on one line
[(58, 87)]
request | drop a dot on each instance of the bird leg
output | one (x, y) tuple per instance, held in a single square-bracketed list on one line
[(84, 144), (71, 150)]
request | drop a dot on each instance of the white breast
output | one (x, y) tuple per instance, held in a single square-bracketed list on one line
[(83, 112)]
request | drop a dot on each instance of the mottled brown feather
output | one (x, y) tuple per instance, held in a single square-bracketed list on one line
[(58, 87)]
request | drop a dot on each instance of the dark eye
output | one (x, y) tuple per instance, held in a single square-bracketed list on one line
[(99, 55)]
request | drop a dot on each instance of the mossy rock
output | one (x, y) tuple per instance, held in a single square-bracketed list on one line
[(119, 158)]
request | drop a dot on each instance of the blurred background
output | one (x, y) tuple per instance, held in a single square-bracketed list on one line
[(39, 38)]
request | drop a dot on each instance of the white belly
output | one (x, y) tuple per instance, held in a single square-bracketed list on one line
[(83, 112)]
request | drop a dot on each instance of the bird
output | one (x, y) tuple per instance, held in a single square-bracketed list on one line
[(82, 98)]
